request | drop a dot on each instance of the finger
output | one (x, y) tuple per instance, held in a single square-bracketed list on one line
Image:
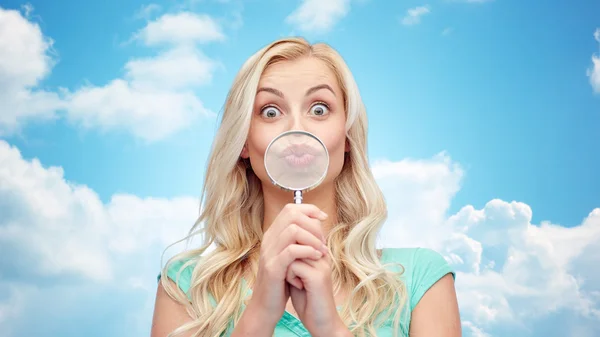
[(298, 283), (294, 252), (295, 234), (293, 279), (309, 210), (321, 264), (327, 255), (303, 271), (298, 251), (318, 264), (300, 215), (312, 225), (312, 263)]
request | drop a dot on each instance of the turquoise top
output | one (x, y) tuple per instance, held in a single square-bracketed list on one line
[(423, 267)]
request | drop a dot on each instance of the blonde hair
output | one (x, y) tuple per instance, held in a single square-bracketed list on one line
[(232, 213)]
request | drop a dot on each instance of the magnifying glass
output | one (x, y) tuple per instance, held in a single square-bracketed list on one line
[(296, 161)]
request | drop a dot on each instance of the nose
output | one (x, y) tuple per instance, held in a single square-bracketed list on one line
[(297, 122)]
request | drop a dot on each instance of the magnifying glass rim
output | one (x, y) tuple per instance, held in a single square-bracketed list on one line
[(307, 188)]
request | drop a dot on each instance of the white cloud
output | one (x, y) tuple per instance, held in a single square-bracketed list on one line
[(155, 98), (473, 330), (70, 251), (181, 28), (177, 68), (28, 9), (26, 59), (420, 192), (509, 270), (315, 16), (147, 11), (511, 273), (594, 72), (149, 113), (12, 306), (58, 228), (526, 270), (413, 15)]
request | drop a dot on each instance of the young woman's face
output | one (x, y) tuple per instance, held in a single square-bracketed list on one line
[(298, 95)]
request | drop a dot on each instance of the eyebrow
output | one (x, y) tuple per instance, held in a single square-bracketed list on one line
[(271, 90), (308, 92), (319, 87)]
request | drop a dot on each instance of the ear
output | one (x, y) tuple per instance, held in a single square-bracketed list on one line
[(244, 154), (347, 147)]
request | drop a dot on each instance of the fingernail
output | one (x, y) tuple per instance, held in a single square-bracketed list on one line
[(318, 254), (324, 215), (323, 238), (324, 249)]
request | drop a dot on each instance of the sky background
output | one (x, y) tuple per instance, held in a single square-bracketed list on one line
[(484, 120)]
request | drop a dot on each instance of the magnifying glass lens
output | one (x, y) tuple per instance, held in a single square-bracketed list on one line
[(296, 161)]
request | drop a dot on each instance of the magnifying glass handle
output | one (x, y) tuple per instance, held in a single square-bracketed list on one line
[(297, 197)]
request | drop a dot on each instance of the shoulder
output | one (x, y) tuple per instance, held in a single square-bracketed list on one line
[(422, 268), (180, 271)]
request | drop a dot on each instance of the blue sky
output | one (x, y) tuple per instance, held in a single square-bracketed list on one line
[(484, 114)]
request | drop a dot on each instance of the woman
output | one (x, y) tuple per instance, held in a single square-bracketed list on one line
[(308, 269)]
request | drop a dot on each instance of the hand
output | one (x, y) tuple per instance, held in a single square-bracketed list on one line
[(294, 234), (314, 300)]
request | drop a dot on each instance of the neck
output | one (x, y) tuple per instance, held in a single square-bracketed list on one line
[(323, 197)]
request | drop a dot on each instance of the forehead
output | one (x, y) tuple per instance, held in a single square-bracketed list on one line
[(306, 71)]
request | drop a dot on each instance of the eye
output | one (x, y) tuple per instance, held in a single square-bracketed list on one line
[(270, 112), (320, 109)]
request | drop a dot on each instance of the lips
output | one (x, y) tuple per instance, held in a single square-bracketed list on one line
[(299, 150), (299, 160), (299, 155)]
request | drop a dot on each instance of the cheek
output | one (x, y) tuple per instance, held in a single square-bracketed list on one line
[(336, 144), (257, 145), (258, 141), (334, 136)]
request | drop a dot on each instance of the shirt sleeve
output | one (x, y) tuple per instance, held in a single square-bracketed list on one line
[(180, 275), (428, 267)]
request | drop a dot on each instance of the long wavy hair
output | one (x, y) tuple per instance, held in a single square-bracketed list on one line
[(231, 214)]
